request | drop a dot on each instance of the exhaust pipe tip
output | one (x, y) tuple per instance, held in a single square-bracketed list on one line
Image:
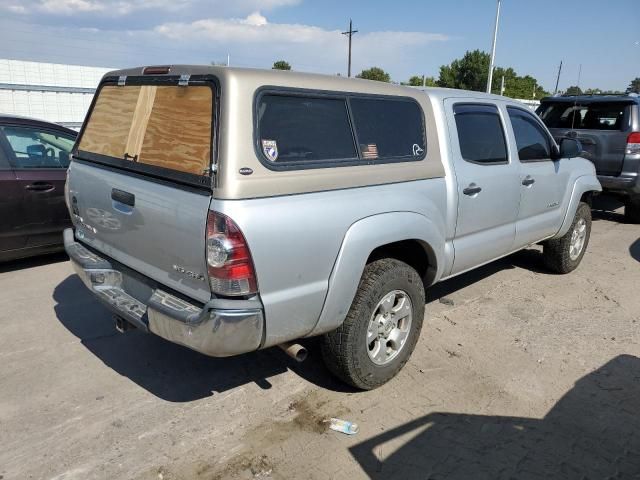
[(295, 351)]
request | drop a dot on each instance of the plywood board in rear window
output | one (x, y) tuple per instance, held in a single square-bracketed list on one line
[(163, 126)]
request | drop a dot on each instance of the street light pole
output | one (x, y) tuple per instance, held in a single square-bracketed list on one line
[(493, 49)]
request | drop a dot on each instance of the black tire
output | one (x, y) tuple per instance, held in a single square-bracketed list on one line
[(345, 350), (632, 210), (556, 252)]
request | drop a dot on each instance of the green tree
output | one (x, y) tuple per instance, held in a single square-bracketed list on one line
[(281, 65), (417, 81), (634, 86), (516, 86), (472, 70), (468, 73), (374, 73), (573, 90)]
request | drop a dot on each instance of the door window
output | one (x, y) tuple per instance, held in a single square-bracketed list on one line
[(532, 141), (480, 134), (33, 147)]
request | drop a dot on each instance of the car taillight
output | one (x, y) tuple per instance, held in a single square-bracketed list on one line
[(229, 263), (633, 144)]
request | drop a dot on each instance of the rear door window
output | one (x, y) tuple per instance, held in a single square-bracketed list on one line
[(388, 128), (480, 134), (301, 129), (169, 127), (531, 139), (610, 116), (35, 147)]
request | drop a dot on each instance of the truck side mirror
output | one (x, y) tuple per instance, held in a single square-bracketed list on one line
[(570, 148)]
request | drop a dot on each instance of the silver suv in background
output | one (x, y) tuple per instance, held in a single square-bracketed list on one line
[(608, 127)]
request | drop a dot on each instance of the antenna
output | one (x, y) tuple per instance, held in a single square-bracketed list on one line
[(575, 101), (558, 79)]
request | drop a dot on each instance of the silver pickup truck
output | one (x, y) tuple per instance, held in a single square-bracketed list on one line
[(230, 210)]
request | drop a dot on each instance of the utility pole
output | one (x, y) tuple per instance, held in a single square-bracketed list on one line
[(502, 86), (424, 81), (493, 49), (558, 79), (350, 34)]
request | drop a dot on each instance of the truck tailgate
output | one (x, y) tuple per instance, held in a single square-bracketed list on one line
[(162, 235)]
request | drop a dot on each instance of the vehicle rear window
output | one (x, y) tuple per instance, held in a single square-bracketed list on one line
[(585, 116), (304, 129), (388, 128), (480, 133), (532, 140), (162, 126)]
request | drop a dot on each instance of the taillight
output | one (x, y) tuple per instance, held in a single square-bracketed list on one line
[(633, 144), (229, 261)]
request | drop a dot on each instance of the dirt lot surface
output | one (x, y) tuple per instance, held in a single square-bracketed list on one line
[(518, 374)]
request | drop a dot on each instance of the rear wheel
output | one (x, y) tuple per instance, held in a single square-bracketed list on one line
[(632, 209), (381, 328), (564, 254)]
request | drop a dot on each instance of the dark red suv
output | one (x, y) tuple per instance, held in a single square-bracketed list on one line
[(34, 156)]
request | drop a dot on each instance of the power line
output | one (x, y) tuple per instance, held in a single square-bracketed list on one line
[(350, 34)]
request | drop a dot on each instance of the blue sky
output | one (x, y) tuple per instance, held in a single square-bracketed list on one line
[(403, 37)]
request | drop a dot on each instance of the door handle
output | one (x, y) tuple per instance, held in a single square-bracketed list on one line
[(528, 181), (472, 189), (123, 197), (39, 187)]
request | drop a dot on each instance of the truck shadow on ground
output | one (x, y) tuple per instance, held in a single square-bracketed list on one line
[(591, 432), (528, 259), (169, 371), (32, 262), (607, 208), (177, 374)]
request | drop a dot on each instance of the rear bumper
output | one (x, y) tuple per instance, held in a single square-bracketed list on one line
[(219, 328), (621, 184)]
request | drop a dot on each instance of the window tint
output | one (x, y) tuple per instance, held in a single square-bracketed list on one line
[(480, 133), (387, 128), (36, 148), (531, 139), (585, 116), (304, 129)]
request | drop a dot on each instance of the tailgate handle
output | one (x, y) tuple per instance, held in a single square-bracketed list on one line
[(123, 197)]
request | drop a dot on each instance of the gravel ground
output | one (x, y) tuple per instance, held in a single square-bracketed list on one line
[(518, 374)]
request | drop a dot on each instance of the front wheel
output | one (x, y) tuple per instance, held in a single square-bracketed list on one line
[(381, 328), (564, 254)]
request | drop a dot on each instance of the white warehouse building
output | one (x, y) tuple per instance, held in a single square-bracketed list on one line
[(48, 91)]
